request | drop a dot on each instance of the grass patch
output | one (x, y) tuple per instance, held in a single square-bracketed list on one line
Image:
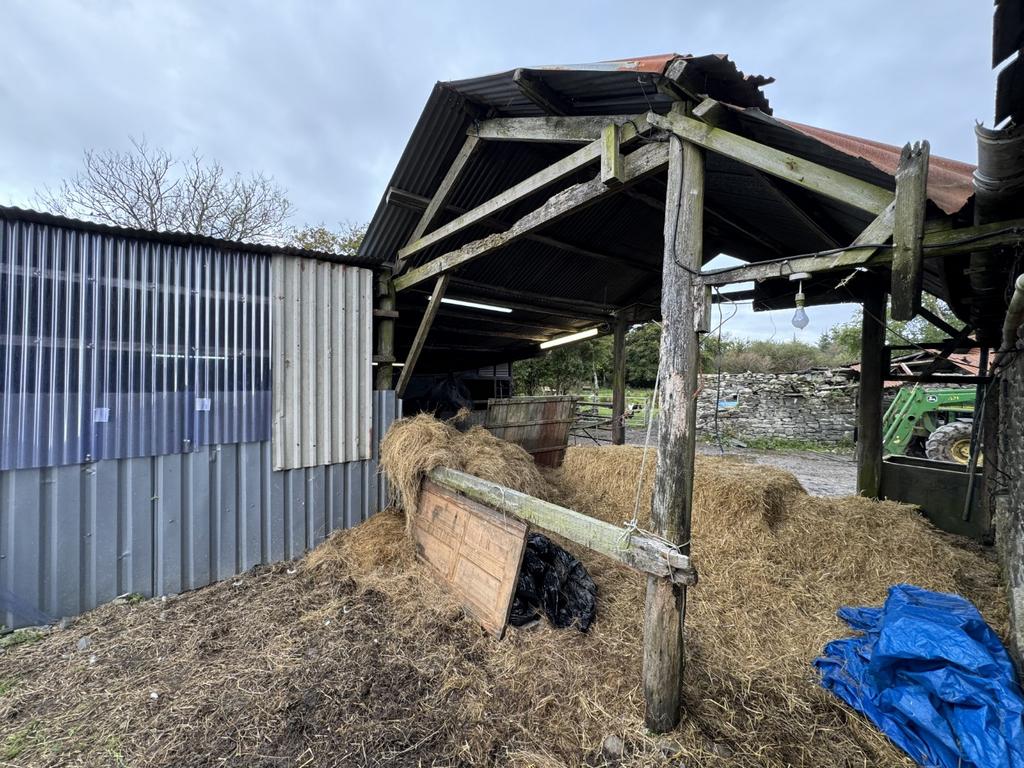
[(795, 444), (15, 743), (639, 397), (20, 637), (7, 685)]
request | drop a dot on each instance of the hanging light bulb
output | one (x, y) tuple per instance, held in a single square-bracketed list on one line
[(800, 319)]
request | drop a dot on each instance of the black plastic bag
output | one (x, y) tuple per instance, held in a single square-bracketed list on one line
[(553, 582)]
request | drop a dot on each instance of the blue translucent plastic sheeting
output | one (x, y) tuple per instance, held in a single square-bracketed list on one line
[(933, 677)]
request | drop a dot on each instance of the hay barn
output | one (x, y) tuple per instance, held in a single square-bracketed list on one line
[(180, 412)]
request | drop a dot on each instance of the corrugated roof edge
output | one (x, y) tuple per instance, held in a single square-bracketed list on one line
[(181, 238)]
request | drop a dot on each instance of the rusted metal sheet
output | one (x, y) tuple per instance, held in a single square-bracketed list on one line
[(475, 550), (950, 182), (539, 424)]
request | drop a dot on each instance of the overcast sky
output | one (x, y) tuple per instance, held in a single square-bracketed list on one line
[(323, 95)]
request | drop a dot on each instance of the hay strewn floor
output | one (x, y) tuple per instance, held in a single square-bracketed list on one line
[(356, 659)]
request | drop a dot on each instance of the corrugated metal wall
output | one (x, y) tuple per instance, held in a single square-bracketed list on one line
[(72, 537), (114, 346), (322, 350)]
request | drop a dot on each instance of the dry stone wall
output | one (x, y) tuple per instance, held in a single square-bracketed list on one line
[(816, 405)]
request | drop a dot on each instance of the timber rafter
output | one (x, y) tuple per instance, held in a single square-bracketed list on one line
[(636, 165)]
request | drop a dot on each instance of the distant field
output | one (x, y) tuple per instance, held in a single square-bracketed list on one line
[(640, 397)]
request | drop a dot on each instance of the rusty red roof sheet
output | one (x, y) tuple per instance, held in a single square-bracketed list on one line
[(950, 182)]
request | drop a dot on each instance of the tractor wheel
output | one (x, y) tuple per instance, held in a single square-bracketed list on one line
[(950, 443)]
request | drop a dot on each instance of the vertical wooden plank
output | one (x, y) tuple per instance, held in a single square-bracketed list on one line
[(908, 230), (612, 168), (421, 333), (619, 381), (869, 395), (682, 313), (385, 331)]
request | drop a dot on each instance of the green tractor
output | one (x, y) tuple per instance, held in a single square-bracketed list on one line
[(930, 422)]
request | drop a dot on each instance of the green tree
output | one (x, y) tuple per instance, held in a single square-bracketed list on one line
[(562, 369), (841, 343), (643, 349)]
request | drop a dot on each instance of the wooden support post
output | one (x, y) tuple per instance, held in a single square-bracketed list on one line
[(619, 381), (682, 297), (420, 339), (908, 231), (869, 396), (385, 331)]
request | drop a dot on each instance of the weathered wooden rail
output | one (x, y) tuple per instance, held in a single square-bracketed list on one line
[(640, 551)]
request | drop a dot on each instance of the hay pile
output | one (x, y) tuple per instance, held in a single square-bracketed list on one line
[(354, 657), (414, 446)]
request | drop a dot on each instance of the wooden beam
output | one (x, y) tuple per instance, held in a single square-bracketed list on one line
[(876, 233), (420, 340), (540, 93), (938, 243), (440, 198), (659, 205), (545, 303), (524, 335), (385, 330), (562, 130), (682, 314), (483, 319), (539, 181), (804, 173), (417, 202), (808, 222), (908, 231), (612, 169), (638, 550), (639, 163), (938, 322), (619, 380), (524, 301), (869, 395)]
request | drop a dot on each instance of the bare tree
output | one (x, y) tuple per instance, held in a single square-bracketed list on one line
[(148, 188)]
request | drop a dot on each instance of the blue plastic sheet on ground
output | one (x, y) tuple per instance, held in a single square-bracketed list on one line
[(933, 677)]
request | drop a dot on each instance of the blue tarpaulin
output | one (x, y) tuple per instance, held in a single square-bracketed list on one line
[(933, 677)]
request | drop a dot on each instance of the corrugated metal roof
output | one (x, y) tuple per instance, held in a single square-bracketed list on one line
[(950, 183), (747, 216), (13, 213)]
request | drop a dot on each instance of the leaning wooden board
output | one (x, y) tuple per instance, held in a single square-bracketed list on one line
[(475, 550)]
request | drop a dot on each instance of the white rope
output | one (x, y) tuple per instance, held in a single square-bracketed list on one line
[(633, 525)]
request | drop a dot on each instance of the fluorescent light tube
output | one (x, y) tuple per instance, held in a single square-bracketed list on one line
[(474, 305), (589, 333)]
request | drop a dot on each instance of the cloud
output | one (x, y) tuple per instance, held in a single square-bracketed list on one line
[(323, 95)]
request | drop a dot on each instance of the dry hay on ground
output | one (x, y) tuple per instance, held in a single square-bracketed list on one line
[(356, 658), (416, 445)]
